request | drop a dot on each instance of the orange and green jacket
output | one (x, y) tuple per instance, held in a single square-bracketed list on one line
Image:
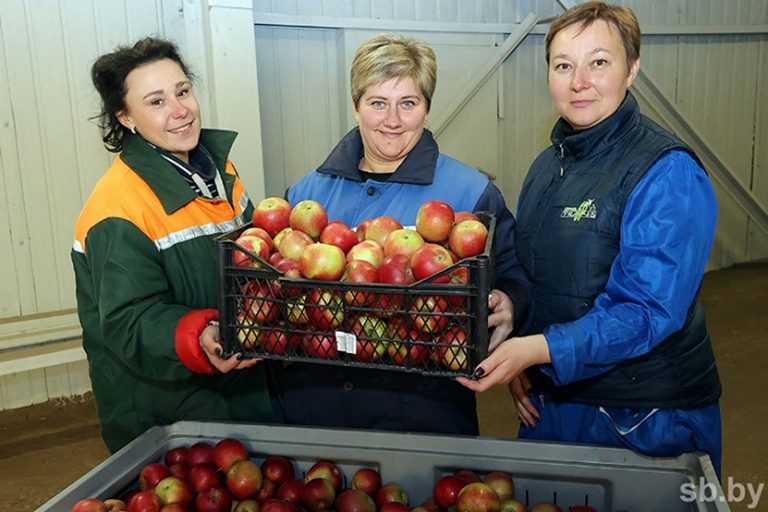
[(145, 267)]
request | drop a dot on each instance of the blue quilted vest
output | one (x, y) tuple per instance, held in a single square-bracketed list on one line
[(568, 249)]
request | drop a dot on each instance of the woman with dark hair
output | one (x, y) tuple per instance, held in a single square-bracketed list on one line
[(615, 223), (144, 254)]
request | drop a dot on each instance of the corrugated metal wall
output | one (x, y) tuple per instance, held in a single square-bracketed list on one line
[(708, 57)]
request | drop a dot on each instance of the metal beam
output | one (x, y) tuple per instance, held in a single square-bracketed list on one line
[(390, 25), (482, 75), (646, 89)]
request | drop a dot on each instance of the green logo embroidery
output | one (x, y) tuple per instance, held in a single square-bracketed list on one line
[(586, 210)]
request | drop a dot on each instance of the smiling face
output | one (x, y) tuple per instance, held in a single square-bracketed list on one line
[(160, 105), (588, 73), (391, 115)]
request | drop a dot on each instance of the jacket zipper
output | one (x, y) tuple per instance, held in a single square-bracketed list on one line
[(562, 158)]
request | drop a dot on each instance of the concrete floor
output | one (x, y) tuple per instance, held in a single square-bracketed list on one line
[(43, 448)]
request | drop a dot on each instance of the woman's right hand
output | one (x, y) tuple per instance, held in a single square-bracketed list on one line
[(519, 388), (210, 342)]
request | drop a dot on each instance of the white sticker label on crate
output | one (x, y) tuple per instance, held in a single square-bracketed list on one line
[(346, 342)]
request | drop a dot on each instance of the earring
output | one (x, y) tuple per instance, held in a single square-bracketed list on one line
[(133, 130)]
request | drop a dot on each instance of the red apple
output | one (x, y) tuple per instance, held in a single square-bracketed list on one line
[(274, 258), (247, 332), (429, 260), (325, 469), (259, 232), (174, 455), (278, 469), (359, 271), (213, 499), (468, 238), (446, 490), (367, 480), (268, 490), (179, 469), (477, 497), (89, 505), (290, 490), (273, 505), (318, 495), (309, 216), (243, 479), (405, 349), (500, 481), (394, 506), (274, 340), (296, 311), (203, 476), (320, 346), (339, 234), (453, 353), (172, 490), (428, 313), (151, 475), (371, 332), (260, 301), (396, 269), (581, 508), (361, 229), (254, 245), (272, 215), (428, 505), (391, 492), (323, 262), (546, 506), (199, 452), (461, 216), (379, 229), (289, 267), (250, 506), (354, 500), (434, 220), (228, 451), (115, 505), (513, 506), (293, 243), (467, 475), (325, 309), (404, 241), (279, 237), (144, 501), (367, 250)]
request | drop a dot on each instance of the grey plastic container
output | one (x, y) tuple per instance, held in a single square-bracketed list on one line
[(607, 479)]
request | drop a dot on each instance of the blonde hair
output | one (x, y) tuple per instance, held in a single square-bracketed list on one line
[(623, 18), (389, 56)]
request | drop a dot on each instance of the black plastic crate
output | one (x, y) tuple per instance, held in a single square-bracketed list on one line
[(429, 327)]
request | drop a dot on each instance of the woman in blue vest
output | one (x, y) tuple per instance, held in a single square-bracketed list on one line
[(615, 223), (390, 164)]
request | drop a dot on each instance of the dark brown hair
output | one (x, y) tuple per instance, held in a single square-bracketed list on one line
[(109, 73)]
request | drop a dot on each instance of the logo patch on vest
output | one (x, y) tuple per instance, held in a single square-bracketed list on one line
[(586, 210)]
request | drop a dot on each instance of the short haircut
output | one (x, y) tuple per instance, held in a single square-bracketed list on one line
[(389, 56), (622, 18)]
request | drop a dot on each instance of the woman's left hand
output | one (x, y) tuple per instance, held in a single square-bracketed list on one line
[(210, 342), (508, 361)]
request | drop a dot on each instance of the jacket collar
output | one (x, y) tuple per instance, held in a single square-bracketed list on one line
[(171, 189), (600, 138), (418, 167)]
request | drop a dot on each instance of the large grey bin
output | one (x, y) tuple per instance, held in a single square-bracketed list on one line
[(608, 479)]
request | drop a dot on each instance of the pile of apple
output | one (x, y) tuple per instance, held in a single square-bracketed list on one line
[(280, 318), (223, 478)]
